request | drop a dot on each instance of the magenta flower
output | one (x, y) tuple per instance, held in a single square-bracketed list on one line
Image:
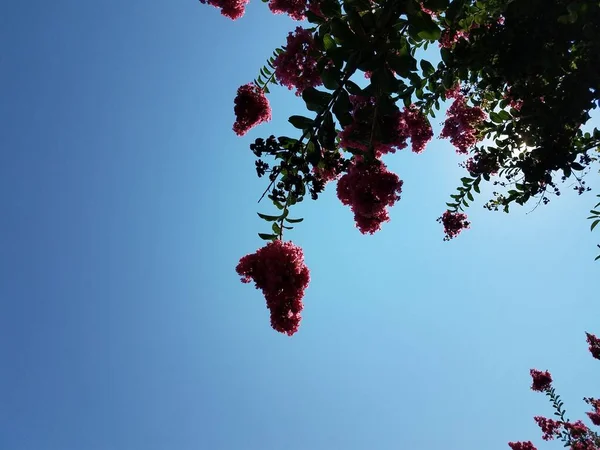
[(296, 67), (521, 445), (251, 108), (278, 269), (369, 189), (234, 9), (294, 8), (454, 223), (594, 343), (418, 127), (389, 135), (461, 124), (541, 380), (550, 428)]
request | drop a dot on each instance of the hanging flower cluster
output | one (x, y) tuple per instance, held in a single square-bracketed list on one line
[(369, 189), (278, 269), (461, 124), (575, 435), (251, 108), (296, 67)]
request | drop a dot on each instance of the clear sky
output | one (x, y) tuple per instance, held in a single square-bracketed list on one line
[(126, 202)]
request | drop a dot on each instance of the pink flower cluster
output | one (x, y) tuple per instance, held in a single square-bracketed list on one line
[(234, 9), (594, 415), (454, 223), (550, 428), (594, 343), (461, 124), (541, 380), (521, 445), (369, 189), (296, 67), (418, 128), (392, 130), (330, 167), (278, 269), (251, 108), (451, 37), (294, 8)]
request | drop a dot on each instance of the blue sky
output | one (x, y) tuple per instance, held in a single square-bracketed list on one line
[(126, 203)]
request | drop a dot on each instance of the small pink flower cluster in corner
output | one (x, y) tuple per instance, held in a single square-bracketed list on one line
[(278, 269), (294, 8), (369, 189), (251, 108), (296, 67), (418, 127), (594, 343), (576, 435), (461, 124), (234, 9), (454, 223)]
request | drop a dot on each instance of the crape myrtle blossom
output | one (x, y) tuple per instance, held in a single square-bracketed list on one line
[(278, 269)]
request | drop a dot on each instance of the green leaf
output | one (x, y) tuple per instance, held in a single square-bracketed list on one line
[(353, 88), (276, 228), (301, 122), (316, 100), (470, 196), (342, 107), (267, 217), (466, 180), (427, 68), (267, 237), (594, 223), (330, 8), (294, 220), (476, 188), (504, 115), (402, 63), (495, 117), (342, 31), (328, 42)]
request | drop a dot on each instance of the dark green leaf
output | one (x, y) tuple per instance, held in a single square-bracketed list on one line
[(294, 220), (267, 217), (316, 100), (427, 68), (301, 122), (267, 237), (594, 223)]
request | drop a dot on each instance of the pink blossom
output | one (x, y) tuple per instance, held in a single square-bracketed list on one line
[(278, 269), (451, 37), (234, 9), (251, 108), (454, 223), (577, 429), (594, 343), (461, 124), (550, 428), (296, 67), (294, 8), (521, 445), (369, 189), (419, 128), (541, 380), (389, 133)]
